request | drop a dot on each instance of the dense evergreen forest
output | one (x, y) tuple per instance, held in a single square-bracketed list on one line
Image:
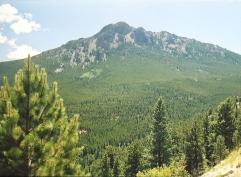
[(124, 102), (39, 138), (186, 148)]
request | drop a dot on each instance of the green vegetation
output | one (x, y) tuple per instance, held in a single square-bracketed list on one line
[(37, 139), (135, 160), (116, 101), (226, 126), (194, 149), (161, 141)]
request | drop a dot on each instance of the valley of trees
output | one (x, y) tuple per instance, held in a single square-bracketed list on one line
[(187, 148), (38, 137)]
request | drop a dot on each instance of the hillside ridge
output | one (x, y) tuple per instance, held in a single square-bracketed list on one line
[(85, 51)]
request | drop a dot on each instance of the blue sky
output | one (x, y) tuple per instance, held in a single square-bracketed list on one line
[(40, 25)]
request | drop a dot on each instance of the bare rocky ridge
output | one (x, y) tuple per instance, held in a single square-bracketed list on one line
[(97, 48)]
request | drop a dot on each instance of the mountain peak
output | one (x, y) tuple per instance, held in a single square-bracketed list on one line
[(87, 50), (119, 28)]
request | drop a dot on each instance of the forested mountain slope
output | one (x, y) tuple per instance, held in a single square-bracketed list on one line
[(113, 79)]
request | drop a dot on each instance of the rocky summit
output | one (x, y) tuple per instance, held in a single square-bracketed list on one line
[(97, 48)]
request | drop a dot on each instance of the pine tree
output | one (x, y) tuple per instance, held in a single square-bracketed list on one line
[(195, 150), (116, 170), (110, 163), (36, 136), (111, 152), (206, 132), (161, 140), (106, 170), (237, 132), (209, 136), (236, 139), (226, 122), (134, 159), (213, 124), (220, 150)]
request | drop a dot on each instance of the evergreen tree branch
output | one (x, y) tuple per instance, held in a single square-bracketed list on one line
[(42, 113)]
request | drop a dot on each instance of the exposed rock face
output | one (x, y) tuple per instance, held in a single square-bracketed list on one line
[(96, 48)]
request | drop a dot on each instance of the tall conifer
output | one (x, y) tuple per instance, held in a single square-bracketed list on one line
[(226, 122), (195, 150), (220, 150), (135, 159), (36, 136), (161, 140), (209, 136)]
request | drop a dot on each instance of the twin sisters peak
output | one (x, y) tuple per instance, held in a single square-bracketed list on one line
[(85, 51)]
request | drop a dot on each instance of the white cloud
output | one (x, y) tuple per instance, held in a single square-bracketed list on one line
[(24, 26), (8, 13), (19, 24), (22, 52), (12, 43), (28, 15), (19, 52), (3, 39)]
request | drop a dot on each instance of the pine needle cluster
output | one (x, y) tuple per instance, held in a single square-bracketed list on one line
[(37, 138)]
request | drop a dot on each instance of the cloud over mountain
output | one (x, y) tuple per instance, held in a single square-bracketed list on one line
[(20, 52)]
